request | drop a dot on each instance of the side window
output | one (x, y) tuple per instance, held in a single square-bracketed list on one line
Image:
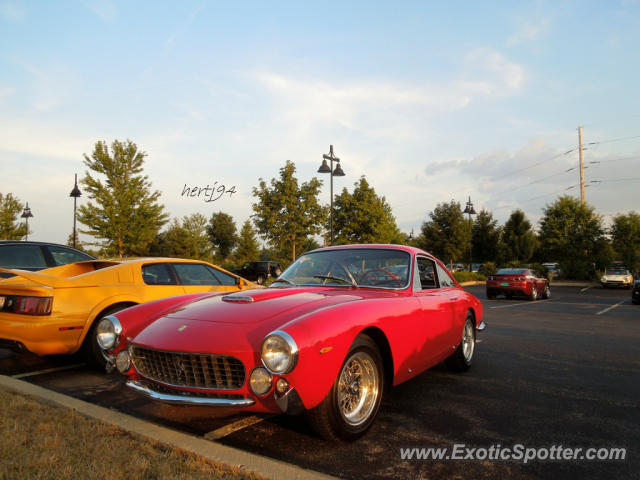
[(444, 277), (426, 273), (22, 256), (223, 278), (157, 274), (195, 274), (62, 255)]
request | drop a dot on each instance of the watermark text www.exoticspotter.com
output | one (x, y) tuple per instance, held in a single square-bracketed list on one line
[(209, 192), (515, 453)]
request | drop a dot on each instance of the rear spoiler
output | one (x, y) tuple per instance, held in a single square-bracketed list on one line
[(35, 279)]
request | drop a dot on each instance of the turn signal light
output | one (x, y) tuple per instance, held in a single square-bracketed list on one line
[(26, 305)]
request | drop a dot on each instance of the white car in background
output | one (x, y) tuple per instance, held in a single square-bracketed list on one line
[(617, 277)]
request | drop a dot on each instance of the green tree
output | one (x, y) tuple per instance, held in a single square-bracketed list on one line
[(518, 240), (572, 234), (196, 238), (447, 234), (363, 217), (625, 239), (124, 211), (222, 234), (285, 213), (10, 226), (485, 237), (171, 242), (248, 247)]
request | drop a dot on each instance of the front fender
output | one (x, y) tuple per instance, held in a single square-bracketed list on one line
[(324, 339)]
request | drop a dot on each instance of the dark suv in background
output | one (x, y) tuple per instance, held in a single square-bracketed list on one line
[(36, 256), (259, 271)]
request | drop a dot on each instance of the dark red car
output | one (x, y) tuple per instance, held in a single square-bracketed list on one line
[(325, 338), (517, 281)]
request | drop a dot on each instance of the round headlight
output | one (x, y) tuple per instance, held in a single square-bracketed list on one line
[(108, 332), (260, 381), (123, 361), (279, 353)]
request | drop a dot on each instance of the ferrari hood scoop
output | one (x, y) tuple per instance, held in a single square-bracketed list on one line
[(237, 298)]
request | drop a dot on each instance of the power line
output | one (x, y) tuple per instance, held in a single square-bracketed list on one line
[(613, 140), (631, 179), (534, 181), (534, 165), (615, 159)]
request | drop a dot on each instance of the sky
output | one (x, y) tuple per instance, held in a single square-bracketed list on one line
[(431, 101)]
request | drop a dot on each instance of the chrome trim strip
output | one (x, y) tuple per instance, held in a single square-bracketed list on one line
[(185, 400), (482, 326)]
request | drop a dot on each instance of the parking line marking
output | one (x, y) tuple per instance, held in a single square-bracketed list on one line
[(233, 427), (586, 288), (610, 308), (520, 304), (48, 370)]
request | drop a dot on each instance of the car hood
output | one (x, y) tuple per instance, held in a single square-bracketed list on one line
[(239, 321), (616, 277)]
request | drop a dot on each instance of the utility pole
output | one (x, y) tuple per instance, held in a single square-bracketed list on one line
[(581, 165)]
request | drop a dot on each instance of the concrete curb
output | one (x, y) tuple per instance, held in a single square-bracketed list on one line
[(216, 452)]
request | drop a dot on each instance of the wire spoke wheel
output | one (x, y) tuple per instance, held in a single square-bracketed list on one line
[(468, 341), (358, 388)]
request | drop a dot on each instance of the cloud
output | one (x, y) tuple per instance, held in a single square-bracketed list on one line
[(490, 73), (11, 12), (389, 108), (529, 32), (105, 9)]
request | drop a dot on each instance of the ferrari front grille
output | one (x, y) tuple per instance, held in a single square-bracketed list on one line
[(190, 370)]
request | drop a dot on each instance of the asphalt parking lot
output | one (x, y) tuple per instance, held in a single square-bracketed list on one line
[(564, 371)]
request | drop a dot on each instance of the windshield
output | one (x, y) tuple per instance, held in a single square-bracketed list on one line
[(512, 271), (617, 271), (382, 268)]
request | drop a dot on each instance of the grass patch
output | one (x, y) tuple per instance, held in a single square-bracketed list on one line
[(41, 441), (469, 277)]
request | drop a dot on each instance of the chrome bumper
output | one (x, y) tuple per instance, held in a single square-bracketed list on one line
[(482, 326), (186, 400)]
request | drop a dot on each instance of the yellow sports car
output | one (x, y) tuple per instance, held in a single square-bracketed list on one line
[(57, 310)]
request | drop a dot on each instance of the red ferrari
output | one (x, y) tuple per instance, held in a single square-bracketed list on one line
[(336, 328), (517, 281)]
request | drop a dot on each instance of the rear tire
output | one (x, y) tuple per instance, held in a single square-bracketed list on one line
[(547, 292), (533, 296), (491, 295), (351, 406), (462, 358)]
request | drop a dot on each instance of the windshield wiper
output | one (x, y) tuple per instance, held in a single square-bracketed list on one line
[(282, 280), (338, 279)]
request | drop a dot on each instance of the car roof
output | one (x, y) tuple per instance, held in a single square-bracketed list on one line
[(50, 244), (375, 246)]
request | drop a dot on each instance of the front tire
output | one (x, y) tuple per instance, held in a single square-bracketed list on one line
[(90, 348), (491, 295), (462, 358), (351, 406)]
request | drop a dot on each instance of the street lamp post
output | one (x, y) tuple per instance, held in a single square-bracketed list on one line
[(75, 193), (337, 172), (26, 214), (469, 210)]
